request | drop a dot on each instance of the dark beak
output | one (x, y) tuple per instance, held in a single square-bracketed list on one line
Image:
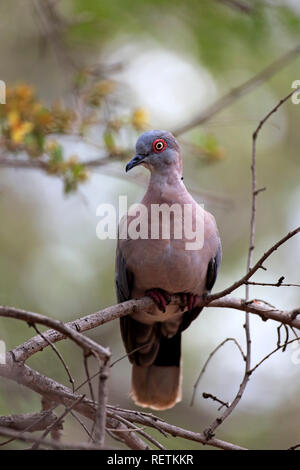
[(135, 161)]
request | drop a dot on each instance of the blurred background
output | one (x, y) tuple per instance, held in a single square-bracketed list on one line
[(122, 67)]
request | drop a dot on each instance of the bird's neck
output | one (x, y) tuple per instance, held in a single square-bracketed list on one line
[(173, 178), (165, 187)]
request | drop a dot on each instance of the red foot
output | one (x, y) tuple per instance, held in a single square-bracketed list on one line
[(189, 300), (160, 297)]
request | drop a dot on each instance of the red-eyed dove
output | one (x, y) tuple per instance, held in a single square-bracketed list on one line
[(161, 266)]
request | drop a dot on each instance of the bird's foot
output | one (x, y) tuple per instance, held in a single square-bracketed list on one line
[(189, 300), (160, 297)]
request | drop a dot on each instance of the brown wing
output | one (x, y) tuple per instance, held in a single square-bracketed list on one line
[(134, 334), (211, 276)]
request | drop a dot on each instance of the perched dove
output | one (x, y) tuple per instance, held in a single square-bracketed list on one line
[(159, 267)]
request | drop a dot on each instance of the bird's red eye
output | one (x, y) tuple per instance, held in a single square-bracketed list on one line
[(159, 145)]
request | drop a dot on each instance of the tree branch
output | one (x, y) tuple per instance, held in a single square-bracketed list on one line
[(149, 420), (67, 331), (61, 394), (89, 322), (26, 437), (236, 93), (29, 421), (238, 5), (218, 421), (255, 268)]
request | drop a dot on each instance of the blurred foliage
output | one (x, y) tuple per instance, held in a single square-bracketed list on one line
[(208, 146), (26, 125), (218, 31)]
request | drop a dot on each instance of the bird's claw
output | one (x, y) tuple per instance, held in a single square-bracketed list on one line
[(160, 297), (189, 300)]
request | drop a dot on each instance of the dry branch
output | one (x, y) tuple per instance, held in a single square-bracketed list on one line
[(67, 331), (209, 359), (152, 421), (61, 394), (29, 421), (238, 5), (58, 422), (89, 322), (26, 437), (254, 193), (229, 98), (255, 268), (100, 419)]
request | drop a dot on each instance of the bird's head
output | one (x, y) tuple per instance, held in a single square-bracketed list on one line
[(158, 151)]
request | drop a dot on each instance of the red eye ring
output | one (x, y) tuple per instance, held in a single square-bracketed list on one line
[(159, 145)]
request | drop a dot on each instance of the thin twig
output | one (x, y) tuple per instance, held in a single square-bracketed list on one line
[(129, 354), (58, 420), (29, 422), (218, 421), (53, 27), (100, 419), (238, 5), (26, 437), (87, 373), (111, 365), (133, 428), (255, 268), (274, 284), (82, 425), (208, 360), (214, 398), (236, 93), (149, 420), (54, 348), (280, 346)]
